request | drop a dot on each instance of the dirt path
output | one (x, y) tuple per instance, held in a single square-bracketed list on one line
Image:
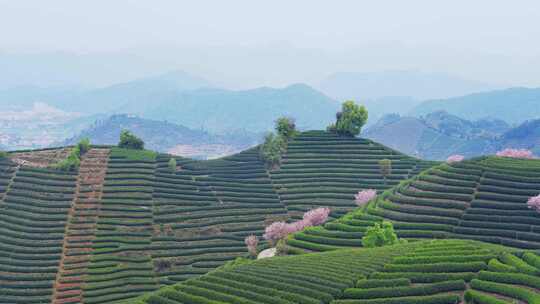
[(80, 228)]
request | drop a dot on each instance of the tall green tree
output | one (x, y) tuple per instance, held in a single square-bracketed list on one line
[(286, 127), (350, 120), (385, 167), (272, 149), (129, 141)]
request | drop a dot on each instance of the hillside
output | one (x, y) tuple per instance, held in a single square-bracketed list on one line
[(438, 135), (482, 199), (441, 272), (125, 224), (202, 145), (511, 105)]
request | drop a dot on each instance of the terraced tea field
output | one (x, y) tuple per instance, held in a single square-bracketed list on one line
[(443, 271), (323, 169), (482, 199), (126, 224)]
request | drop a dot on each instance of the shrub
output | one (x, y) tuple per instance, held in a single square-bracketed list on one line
[(251, 243), (380, 235), (364, 196), (272, 149), (286, 127), (172, 164), (129, 141), (161, 265), (3, 154), (72, 162), (350, 120)]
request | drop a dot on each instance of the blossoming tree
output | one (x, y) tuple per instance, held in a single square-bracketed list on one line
[(364, 196), (534, 203), (456, 158), (516, 153), (280, 230), (251, 243)]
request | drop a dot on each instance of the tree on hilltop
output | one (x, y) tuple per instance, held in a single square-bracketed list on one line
[(350, 120), (286, 127), (129, 141)]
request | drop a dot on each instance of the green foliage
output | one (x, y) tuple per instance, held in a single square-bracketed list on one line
[(73, 161), (286, 127), (3, 154), (272, 149), (129, 141), (350, 120), (385, 167), (83, 145), (172, 164), (380, 235), (281, 247)]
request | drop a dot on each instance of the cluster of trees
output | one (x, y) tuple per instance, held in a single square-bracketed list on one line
[(350, 120), (73, 161), (128, 140), (271, 151), (277, 232)]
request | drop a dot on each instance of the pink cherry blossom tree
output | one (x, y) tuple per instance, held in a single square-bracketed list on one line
[(280, 230), (316, 216), (516, 153), (364, 196), (251, 243), (534, 203), (456, 158), (276, 231)]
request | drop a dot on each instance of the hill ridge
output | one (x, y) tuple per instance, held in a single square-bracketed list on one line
[(157, 227)]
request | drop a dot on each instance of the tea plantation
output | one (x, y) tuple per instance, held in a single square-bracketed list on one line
[(482, 199), (440, 272), (127, 227)]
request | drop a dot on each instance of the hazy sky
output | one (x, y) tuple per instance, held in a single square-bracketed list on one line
[(250, 43)]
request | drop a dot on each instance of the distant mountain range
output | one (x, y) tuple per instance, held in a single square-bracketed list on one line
[(187, 100), (219, 111), (164, 136), (412, 84), (440, 134), (513, 105)]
